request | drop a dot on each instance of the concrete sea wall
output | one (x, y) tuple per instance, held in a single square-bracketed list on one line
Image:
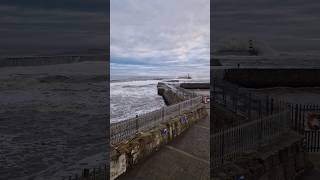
[(195, 85), (127, 153), (262, 78), (168, 95)]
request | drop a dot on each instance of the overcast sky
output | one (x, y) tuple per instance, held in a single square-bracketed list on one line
[(159, 37), (286, 25), (29, 26)]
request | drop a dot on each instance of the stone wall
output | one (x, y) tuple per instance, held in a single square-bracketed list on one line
[(127, 153), (284, 159)]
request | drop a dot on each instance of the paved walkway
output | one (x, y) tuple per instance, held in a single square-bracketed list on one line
[(312, 173), (186, 158)]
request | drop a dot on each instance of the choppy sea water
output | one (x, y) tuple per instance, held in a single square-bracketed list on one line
[(129, 98)]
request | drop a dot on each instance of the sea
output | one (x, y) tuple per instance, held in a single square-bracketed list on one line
[(133, 96)]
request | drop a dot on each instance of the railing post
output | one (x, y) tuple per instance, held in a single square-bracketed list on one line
[(259, 111), (191, 103), (249, 106), (267, 106), (137, 123), (271, 108), (259, 133), (162, 114)]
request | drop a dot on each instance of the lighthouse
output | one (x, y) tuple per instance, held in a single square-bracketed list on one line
[(252, 51)]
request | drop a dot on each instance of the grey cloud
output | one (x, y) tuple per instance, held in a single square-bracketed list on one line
[(164, 32)]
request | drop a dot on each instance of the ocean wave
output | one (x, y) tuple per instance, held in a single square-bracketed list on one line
[(131, 98)]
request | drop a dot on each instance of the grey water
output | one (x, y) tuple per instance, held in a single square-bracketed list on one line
[(131, 96)]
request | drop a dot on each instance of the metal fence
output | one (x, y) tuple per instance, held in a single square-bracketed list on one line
[(100, 173), (312, 141), (229, 144), (128, 128), (242, 101), (298, 117), (265, 119), (299, 124), (246, 103)]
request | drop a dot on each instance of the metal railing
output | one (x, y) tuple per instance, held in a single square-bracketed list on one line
[(128, 128), (100, 173), (229, 144), (246, 103), (265, 119)]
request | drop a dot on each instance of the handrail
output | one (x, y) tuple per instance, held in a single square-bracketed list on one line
[(128, 128)]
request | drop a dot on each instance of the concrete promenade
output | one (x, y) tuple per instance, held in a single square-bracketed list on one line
[(186, 158), (313, 171)]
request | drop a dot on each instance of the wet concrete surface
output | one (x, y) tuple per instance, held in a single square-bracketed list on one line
[(313, 169)]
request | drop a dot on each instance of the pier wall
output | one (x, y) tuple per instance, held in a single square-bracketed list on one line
[(168, 95), (195, 85), (128, 153), (263, 78)]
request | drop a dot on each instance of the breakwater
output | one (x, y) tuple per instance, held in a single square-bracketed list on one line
[(169, 96), (195, 85)]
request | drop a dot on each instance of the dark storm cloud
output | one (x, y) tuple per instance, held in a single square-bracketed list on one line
[(67, 5), (31, 27), (285, 25)]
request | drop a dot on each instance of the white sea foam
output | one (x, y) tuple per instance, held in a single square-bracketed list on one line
[(130, 98)]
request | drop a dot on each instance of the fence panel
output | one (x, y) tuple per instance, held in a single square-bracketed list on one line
[(253, 106), (128, 128), (100, 173), (229, 144), (246, 103)]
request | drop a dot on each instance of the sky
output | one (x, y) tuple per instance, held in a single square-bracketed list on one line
[(160, 37), (31, 27), (286, 25)]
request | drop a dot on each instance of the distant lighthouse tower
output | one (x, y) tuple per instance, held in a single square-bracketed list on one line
[(252, 51)]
